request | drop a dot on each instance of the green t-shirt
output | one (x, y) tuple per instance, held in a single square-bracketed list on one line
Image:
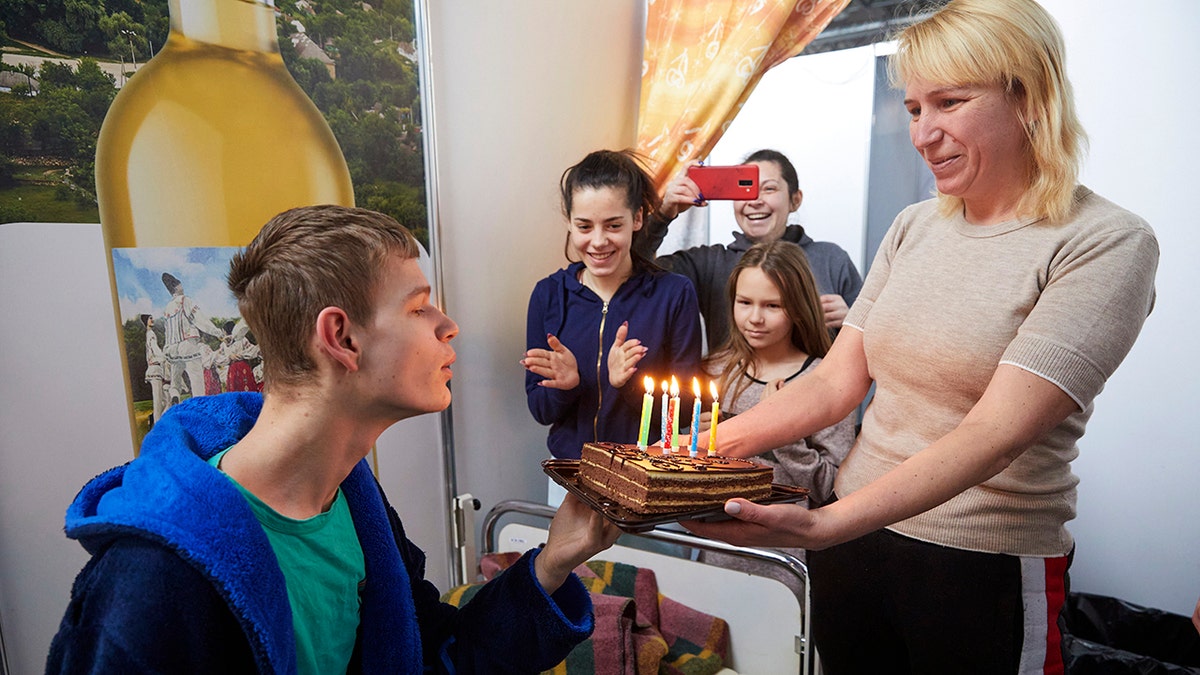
[(322, 563)]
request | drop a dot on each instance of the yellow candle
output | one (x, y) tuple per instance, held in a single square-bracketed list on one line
[(674, 408), (647, 407), (716, 411)]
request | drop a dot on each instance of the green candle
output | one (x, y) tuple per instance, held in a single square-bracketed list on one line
[(647, 406)]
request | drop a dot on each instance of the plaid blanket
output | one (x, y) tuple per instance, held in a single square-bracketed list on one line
[(638, 630)]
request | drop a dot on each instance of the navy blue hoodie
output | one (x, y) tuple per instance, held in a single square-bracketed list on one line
[(663, 314)]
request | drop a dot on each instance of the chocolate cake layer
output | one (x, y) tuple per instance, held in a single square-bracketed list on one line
[(647, 482)]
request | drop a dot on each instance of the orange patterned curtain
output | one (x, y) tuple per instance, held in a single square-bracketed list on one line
[(702, 60)]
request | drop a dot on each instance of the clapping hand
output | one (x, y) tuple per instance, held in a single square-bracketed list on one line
[(556, 364), (624, 357)]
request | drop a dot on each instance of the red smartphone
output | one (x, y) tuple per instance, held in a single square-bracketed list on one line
[(738, 182)]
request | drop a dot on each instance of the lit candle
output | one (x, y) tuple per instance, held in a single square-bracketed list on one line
[(695, 415), (674, 408), (647, 406), (716, 411), (666, 419)]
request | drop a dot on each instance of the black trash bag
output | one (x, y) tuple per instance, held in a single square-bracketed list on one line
[(1107, 636)]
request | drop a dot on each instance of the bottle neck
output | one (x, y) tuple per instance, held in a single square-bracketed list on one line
[(247, 25)]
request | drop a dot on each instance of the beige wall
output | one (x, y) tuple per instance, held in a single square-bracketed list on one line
[(522, 91)]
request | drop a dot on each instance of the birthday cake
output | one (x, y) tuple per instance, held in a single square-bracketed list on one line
[(649, 482)]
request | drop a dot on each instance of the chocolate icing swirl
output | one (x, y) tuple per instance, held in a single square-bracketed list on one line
[(678, 462)]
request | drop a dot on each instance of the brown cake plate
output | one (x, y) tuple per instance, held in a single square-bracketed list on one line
[(564, 472)]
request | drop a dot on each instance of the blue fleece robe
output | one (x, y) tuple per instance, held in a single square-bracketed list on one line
[(183, 580), (662, 313)]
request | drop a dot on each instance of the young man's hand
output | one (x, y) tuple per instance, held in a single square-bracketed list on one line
[(576, 534)]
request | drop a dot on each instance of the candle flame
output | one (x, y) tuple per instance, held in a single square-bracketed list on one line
[(674, 387), (696, 387), (712, 388), (648, 382), (665, 386)]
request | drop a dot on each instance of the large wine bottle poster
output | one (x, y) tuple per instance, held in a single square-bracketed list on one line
[(65, 62)]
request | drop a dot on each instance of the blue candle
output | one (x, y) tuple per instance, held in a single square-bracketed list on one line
[(695, 415)]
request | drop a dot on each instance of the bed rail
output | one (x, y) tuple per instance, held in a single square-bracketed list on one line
[(785, 561)]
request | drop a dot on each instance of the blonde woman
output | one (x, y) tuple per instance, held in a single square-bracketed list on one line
[(989, 321)]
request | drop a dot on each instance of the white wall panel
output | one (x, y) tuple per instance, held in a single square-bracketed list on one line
[(522, 91), (62, 419)]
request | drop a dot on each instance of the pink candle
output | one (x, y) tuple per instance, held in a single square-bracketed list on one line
[(672, 406), (666, 418), (675, 409)]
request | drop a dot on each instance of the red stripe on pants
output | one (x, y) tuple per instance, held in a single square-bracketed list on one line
[(1056, 595)]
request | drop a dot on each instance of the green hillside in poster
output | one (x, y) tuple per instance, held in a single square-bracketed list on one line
[(63, 61)]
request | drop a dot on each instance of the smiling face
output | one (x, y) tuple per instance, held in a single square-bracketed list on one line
[(406, 345), (972, 139), (601, 230), (764, 219), (759, 313)]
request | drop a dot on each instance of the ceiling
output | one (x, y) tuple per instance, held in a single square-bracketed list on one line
[(865, 22)]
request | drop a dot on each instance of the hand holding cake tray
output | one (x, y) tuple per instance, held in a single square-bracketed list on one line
[(639, 489)]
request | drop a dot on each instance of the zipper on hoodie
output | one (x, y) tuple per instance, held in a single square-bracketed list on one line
[(599, 385)]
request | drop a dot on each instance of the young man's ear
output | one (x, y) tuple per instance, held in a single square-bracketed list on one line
[(336, 339)]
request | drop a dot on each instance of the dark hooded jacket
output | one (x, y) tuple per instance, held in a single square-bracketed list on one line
[(662, 313), (709, 267)]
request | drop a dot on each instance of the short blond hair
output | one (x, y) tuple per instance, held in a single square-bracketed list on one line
[(303, 261), (1018, 45)]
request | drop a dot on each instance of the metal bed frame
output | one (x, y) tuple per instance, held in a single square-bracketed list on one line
[(780, 559)]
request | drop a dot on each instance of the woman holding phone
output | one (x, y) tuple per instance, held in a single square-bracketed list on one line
[(761, 220)]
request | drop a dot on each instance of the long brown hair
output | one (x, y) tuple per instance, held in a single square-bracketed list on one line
[(623, 170), (785, 265)]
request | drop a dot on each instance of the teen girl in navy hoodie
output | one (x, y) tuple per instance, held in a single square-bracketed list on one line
[(597, 327)]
